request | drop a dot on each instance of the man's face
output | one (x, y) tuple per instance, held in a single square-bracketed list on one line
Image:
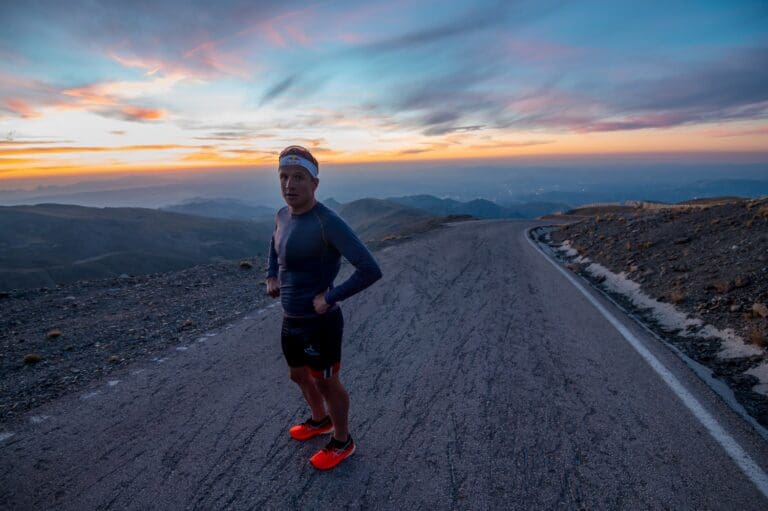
[(297, 186)]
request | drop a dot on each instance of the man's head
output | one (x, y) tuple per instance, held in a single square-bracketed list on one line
[(298, 173)]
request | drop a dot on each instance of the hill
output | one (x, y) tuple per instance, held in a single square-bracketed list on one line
[(374, 219), (50, 244)]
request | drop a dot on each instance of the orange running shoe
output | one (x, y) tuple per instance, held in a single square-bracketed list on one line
[(332, 454), (310, 429)]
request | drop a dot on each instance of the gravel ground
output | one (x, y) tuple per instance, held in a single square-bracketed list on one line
[(710, 261), (85, 330)]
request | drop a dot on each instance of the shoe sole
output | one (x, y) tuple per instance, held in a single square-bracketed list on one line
[(311, 437)]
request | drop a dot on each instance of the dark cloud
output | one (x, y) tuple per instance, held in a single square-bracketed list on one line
[(278, 89), (738, 79), (481, 17), (234, 135), (442, 129)]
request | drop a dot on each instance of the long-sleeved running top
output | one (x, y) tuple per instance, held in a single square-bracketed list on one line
[(305, 252)]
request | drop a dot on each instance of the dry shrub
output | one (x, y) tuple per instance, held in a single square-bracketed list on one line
[(763, 212), (677, 295), (722, 286), (756, 334), (741, 281)]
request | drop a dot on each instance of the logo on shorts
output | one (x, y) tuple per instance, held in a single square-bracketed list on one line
[(309, 350)]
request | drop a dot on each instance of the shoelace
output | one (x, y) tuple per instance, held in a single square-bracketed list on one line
[(334, 448)]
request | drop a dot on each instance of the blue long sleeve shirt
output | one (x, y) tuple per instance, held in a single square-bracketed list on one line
[(305, 253)]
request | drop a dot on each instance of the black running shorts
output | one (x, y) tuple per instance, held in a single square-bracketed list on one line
[(314, 342)]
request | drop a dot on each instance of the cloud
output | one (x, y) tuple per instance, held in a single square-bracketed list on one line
[(278, 89), (480, 17), (25, 151), (725, 133), (243, 135), (21, 108), (134, 114)]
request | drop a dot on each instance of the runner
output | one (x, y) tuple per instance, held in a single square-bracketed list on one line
[(304, 259)]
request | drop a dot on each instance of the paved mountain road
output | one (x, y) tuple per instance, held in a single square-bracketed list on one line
[(480, 378)]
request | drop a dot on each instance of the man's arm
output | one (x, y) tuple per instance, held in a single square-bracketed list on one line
[(367, 270), (273, 284)]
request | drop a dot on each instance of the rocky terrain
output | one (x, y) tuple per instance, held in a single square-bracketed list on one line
[(705, 259), (55, 340)]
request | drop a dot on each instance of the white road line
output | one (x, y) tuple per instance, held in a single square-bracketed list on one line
[(731, 446)]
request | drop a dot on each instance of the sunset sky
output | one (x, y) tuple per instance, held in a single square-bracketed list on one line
[(100, 87)]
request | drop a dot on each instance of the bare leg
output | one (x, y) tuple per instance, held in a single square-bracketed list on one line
[(338, 405), (306, 383)]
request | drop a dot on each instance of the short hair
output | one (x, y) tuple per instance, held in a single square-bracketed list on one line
[(300, 151)]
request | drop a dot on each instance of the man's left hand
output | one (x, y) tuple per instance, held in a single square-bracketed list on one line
[(321, 306)]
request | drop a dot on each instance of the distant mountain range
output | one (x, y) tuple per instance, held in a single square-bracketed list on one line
[(232, 209), (479, 208), (49, 244)]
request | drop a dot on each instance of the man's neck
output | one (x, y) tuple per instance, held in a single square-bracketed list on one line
[(303, 209)]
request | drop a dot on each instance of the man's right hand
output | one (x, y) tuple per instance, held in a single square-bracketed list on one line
[(273, 287)]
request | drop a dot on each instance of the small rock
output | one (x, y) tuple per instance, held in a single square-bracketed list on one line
[(4, 294), (32, 358), (741, 281), (54, 333), (114, 359), (188, 323), (681, 241), (246, 265), (735, 308), (760, 309)]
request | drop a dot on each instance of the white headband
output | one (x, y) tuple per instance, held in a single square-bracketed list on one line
[(293, 159)]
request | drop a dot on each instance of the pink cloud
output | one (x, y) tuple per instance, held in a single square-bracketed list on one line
[(21, 108)]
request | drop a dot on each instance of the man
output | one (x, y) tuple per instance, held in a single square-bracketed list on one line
[(304, 259)]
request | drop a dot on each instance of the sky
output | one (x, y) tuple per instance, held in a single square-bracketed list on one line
[(91, 88)]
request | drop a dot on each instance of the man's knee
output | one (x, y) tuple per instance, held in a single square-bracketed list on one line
[(300, 375), (328, 385)]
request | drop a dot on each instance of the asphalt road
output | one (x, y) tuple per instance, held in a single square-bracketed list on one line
[(480, 378)]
